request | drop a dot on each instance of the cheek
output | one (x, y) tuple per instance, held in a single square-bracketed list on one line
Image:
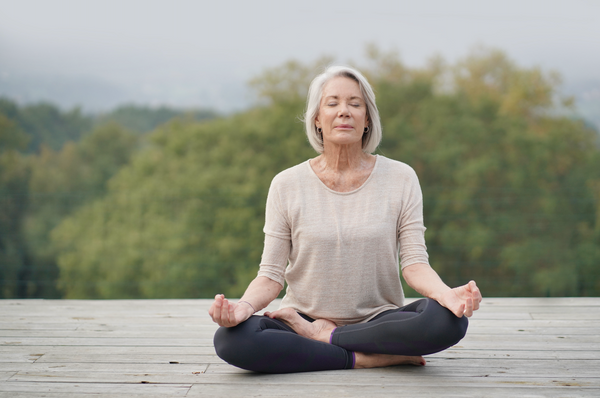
[(361, 115), (325, 115)]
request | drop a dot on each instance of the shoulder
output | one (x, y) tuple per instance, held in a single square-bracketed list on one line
[(290, 177), (395, 169)]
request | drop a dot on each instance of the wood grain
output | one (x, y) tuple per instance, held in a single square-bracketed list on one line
[(126, 348)]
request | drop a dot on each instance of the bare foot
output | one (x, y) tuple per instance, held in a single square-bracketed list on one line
[(319, 330), (364, 361)]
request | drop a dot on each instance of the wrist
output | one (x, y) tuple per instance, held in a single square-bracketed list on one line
[(439, 294), (247, 304)]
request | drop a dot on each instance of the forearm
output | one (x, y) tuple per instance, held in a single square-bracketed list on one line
[(425, 281), (261, 292)]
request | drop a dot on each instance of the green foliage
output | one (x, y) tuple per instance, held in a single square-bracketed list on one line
[(506, 185), (185, 218), (67, 166), (46, 124), (59, 183), (13, 179), (511, 187), (11, 136)]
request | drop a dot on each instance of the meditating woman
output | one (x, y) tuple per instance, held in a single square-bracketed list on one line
[(336, 227)]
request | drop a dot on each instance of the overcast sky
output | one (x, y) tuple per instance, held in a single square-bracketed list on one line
[(98, 53)]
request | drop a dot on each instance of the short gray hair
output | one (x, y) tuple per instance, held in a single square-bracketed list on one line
[(372, 138)]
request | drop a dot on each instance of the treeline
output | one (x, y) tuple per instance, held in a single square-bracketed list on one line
[(51, 163), (511, 188), (46, 124)]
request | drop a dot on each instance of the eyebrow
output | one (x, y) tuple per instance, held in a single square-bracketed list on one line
[(337, 97)]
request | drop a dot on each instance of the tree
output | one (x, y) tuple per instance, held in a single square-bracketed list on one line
[(13, 203), (59, 183), (505, 180), (510, 186), (144, 119)]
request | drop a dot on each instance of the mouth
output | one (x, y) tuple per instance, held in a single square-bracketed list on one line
[(343, 126)]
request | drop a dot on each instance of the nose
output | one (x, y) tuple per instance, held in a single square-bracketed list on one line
[(344, 110)]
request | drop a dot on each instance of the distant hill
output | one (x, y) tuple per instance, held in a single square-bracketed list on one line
[(46, 123), (143, 119)]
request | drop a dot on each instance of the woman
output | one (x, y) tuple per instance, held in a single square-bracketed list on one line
[(334, 228)]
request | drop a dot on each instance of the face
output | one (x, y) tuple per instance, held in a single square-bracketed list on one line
[(342, 112)]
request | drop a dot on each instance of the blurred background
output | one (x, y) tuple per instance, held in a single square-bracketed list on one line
[(138, 139)]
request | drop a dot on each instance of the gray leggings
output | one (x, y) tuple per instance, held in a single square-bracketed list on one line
[(268, 345)]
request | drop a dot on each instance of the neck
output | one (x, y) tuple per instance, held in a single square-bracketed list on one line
[(341, 158)]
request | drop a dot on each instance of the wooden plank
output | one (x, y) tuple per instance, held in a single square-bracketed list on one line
[(158, 390), (104, 334), (17, 357), (565, 316), (141, 376), (98, 351), (402, 377), (539, 331), (340, 390), (572, 323), (6, 374), (164, 367), (588, 335), (516, 354), (540, 301), (77, 341), (514, 347), (123, 325), (485, 368)]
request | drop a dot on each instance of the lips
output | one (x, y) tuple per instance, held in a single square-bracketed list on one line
[(343, 126)]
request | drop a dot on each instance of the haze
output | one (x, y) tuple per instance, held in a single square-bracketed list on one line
[(99, 54)]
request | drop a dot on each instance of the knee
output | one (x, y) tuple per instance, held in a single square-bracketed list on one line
[(457, 329), (447, 327), (243, 345), (440, 325), (227, 345)]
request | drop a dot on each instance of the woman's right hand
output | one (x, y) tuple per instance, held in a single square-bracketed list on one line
[(228, 314)]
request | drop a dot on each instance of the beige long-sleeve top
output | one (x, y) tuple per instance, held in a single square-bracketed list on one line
[(338, 251)]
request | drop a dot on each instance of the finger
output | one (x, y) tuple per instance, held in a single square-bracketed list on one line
[(217, 308), (232, 319), (225, 313), (475, 294), (460, 311), (469, 308), (476, 291)]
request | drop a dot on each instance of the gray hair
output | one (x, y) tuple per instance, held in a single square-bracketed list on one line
[(372, 138)]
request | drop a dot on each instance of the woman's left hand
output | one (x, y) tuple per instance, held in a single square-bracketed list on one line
[(462, 300)]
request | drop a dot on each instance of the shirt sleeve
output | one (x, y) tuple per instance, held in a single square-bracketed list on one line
[(277, 244), (276, 222), (411, 229), (274, 259)]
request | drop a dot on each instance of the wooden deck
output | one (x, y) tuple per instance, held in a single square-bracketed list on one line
[(515, 347)]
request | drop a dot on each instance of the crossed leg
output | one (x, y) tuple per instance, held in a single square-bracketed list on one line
[(289, 342), (322, 330)]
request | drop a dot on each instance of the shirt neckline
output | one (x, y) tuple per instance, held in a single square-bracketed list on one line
[(349, 192)]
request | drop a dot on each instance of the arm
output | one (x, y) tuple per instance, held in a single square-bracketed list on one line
[(462, 300), (258, 295)]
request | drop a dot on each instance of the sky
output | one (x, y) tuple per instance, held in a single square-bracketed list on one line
[(98, 54)]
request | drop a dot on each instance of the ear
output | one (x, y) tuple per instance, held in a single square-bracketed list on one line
[(317, 122)]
